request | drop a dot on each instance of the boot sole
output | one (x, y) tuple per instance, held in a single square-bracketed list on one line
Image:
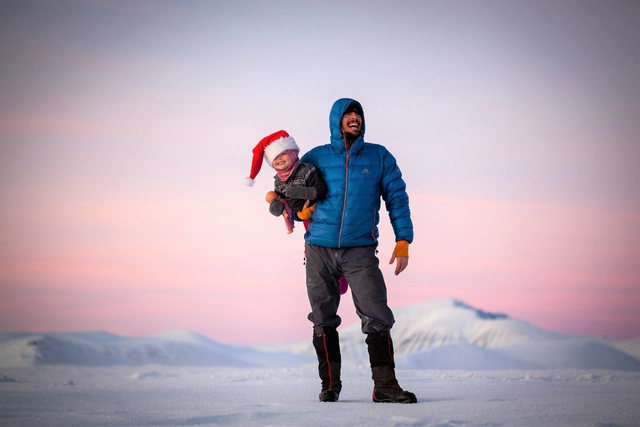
[(396, 401), (411, 398)]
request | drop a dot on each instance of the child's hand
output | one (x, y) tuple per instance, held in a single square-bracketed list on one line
[(306, 211), (276, 208), (304, 193)]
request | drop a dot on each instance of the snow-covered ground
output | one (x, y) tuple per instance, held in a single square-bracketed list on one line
[(466, 366), (160, 395)]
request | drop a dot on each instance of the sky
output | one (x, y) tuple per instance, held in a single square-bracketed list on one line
[(127, 127)]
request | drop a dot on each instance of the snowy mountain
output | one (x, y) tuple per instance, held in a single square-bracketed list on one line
[(449, 334), (631, 347), (443, 322), (440, 334), (178, 348)]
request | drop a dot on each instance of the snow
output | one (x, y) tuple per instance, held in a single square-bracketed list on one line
[(631, 347), (449, 334), (466, 366), (160, 395)]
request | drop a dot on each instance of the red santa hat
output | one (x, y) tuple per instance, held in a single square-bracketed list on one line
[(268, 149)]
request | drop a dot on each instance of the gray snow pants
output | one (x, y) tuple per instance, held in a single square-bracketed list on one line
[(359, 266)]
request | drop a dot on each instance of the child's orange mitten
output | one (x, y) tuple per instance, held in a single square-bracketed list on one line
[(306, 213)]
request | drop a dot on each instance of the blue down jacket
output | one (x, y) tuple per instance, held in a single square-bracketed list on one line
[(356, 181)]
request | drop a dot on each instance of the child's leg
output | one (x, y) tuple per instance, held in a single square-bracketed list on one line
[(344, 285), (287, 215)]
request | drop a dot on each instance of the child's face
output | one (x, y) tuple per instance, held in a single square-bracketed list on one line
[(282, 162)]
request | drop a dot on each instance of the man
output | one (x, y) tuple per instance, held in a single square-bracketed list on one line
[(342, 240)]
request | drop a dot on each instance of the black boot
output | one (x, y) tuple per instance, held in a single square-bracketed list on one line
[(327, 344), (386, 387)]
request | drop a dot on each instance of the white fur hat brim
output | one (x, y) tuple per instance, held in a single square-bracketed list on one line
[(274, 149)]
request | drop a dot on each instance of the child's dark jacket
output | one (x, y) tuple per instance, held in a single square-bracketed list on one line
[(304, 175)]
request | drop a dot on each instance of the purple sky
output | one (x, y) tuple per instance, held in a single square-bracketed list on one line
[(126, 128)]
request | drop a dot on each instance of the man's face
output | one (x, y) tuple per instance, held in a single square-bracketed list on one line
[(351, 124)]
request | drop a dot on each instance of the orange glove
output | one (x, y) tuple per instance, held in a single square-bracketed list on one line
[(402, 249), (401, 255), (306, 212)]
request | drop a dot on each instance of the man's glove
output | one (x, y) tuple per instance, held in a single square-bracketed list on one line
[(401, 249), (304, 193), (400, 256), (276, 208), (306, 213)]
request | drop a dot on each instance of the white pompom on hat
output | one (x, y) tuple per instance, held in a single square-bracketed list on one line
[(268, 149)]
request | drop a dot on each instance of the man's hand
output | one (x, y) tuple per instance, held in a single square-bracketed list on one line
[(401, 254), (306, 211), (304, 193)]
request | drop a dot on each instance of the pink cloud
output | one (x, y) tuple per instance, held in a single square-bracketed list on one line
[(131, 266)]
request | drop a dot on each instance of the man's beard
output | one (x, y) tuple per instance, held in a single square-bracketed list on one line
[(352, 134)]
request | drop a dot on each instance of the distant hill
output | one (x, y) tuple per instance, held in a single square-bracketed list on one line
[(631, 347), (182, 348), (439, 334), (450, 334)]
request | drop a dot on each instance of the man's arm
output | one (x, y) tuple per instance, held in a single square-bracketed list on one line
[(394, 193)]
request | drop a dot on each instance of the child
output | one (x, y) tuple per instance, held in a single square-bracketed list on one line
[(297, 185)]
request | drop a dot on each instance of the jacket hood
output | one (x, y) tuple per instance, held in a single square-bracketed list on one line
[(335, 117)]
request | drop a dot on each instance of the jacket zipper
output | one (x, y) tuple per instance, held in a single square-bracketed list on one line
[(344, 202)]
